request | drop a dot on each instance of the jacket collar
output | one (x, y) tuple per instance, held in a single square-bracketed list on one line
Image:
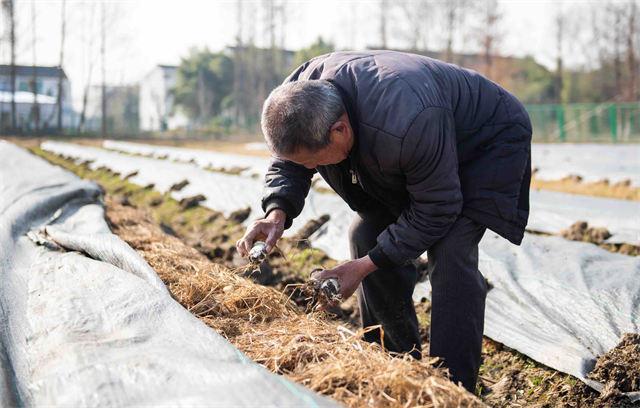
[(352, 115)]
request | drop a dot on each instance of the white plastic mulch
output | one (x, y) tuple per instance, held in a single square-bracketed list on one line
[(562, 303), (593, 162), (551, 212), (84, 321)]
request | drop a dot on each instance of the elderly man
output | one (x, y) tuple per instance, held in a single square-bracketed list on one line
[(428, 155)]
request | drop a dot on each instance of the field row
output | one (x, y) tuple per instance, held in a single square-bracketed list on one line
[(560, 302)]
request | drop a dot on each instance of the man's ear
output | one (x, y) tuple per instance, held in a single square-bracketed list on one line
[(339, 127)]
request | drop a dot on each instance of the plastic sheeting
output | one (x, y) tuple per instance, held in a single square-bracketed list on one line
[(224, 192), (551, 211), (102, 330), (562, 303), (593, 162), (553, 161), (203, 158)]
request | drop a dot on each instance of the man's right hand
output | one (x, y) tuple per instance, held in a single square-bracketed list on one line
[(268, 229)]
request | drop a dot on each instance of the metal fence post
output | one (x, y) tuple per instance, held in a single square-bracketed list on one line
[(561, 123), (613, 122)]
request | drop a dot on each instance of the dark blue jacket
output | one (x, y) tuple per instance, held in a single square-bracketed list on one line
[(433, 141)]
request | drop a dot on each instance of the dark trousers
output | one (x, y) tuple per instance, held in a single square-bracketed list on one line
[(458, 292)]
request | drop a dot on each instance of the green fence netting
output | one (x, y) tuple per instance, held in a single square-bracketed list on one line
[(586, 122)]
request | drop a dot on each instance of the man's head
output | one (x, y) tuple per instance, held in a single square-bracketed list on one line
[(306, 122)]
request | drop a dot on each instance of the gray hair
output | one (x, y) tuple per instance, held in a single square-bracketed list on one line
[(300, 114)]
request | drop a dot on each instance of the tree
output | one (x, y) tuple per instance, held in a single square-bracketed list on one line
[(88, 42), (35, 107), (8, 7), (384, 15), (63, 30), (319, 47), (490, 34), (418, 17), (614, 37), (633, 22), (103, 53), (239, 73), (560, 28), (205, 79), (455, 12)]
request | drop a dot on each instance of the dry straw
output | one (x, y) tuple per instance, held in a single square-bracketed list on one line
[(265, 325)]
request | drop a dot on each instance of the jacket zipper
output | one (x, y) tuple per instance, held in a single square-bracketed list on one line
[(354, 176)]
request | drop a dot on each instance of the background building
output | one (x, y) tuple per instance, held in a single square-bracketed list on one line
[(156, 104), (46, 79)]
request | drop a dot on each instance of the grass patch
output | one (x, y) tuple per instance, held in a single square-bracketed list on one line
[(623, 191)]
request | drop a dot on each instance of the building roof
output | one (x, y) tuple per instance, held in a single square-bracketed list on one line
[(163, 67), (26, 97), (27, 70)]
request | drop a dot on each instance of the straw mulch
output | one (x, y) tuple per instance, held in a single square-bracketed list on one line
[(265, 325)]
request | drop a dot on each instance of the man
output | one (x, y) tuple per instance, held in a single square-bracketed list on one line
[(428, 155)]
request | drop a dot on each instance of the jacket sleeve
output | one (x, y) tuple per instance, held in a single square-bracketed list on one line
[(429, 162), (286, 187)]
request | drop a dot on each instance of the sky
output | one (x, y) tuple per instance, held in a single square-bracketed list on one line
[(144, 33)]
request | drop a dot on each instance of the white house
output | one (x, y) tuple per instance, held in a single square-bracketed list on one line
[(46, 96), (156, 109)]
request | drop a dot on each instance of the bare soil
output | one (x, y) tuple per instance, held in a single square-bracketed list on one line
[(619, 369)]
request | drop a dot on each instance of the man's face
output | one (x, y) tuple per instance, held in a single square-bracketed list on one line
[(338, 149)]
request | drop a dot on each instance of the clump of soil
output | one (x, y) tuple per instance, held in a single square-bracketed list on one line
[(130, 175), (261, 322), (619, 368), (193, 201), (573, 178), (628, 249), (623, 183), (581, 231), (179, 186), (239, 216), (233, 170), (302, 236)]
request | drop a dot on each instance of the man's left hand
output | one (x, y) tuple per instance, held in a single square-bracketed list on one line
[(348, 274)]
